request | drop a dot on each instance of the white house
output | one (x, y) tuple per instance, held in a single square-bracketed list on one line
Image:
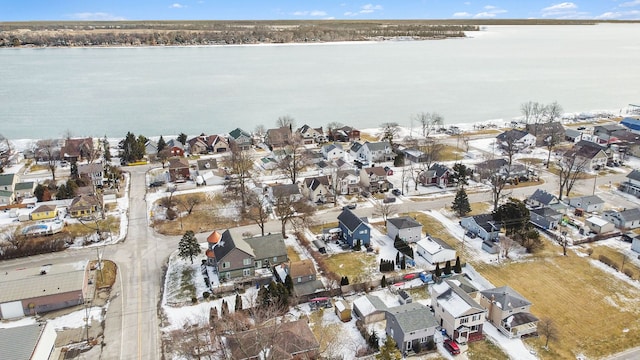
[(405, 227), (332, 152), (435, 251), (516, 139), (635, 245), (625, 219), (376, 152), (457, 312), (588, 203)]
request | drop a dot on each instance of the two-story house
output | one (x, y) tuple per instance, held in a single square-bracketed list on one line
[(332, 152), (240, 139), (588, 203), (175, 148), (198, 145), (411, 325), (405, 227), (179, 169), (94, 172), (7, 184), (456, 311), (278, 137), (376, 152), (354, 229), (509, 311), (217, 144), (77, 149), (318, 189), (309, 135), (374, 179), (269, 250), (348, 182), (587, 157), (233, 257)]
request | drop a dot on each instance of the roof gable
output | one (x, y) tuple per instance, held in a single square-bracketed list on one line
[(412, 317), (228, 242), (350, 220), (404, 222), (506, 298)]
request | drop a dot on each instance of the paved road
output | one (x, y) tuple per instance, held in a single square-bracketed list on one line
[(132, 329)]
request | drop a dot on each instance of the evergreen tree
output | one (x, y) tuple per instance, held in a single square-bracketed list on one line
[(389, 351), (397, 256), (447, 268), (225, 308), (373, 340), (188, 246), (288, 283), (161, 144), (457, 268), (238, 302), (182, 138), (461, 203), (74, 170), (403, 263), (39, 192), (106, 153), (383, 282), (344, 281), (399, 159), (437, 271)]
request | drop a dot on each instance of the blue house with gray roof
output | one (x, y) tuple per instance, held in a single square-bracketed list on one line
[(353, 228)]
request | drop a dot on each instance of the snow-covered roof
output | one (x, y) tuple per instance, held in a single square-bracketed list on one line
[(369, 304), (454, 300), (597, 221), (432, 246), (341, 305)]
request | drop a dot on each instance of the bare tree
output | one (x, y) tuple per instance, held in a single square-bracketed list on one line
[(553, 111), (257, 209), (286, 120), (497, 183), (294, 160), (428, 121), (506, 244), (284, 209), (190, 201), (334, 125), (547, 328), (527, 109), (550, 143), (570, 168), (384, 210), (48, 149), (163, 156), (432, 149), (305, 215), (240, 167), (260, 131), (509, 145)]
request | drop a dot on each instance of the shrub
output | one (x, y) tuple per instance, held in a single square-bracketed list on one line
[(589, 251), (206, 295), (194, 300), (171, 214), (431, 344)]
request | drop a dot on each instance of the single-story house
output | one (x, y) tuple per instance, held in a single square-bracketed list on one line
[(516, 139), (304, 277), (588, 203), (509, 311), (83, 205), (407, 228), (625, 219), (435, 250), (44, 212), (541, 198), (332, 152), (599, 225), (438, 175)]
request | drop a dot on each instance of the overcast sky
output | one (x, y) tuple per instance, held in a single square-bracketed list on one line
[(21, 10)]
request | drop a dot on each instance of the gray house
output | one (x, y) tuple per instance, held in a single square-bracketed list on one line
[(409, 325), (269, 250), (241, 139), (632, 185), (625, 219), (541, 198), (545, 218), (405, 227), (509, 311), (234, 257), (589, 203), (482, 226)]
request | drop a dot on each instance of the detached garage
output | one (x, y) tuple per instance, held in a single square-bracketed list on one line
[(38, 290), (435, 251)]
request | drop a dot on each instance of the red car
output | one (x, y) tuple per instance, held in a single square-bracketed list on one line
[(452, 347)]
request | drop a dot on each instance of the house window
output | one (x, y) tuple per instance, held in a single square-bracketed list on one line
[(474, 328), (246, 272), (246, 261), (226, 265), (275, 259), (299, 279), (464, 320)]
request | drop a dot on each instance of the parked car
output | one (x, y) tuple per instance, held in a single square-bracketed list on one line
[(389, 200), (365, 194), (396, 192), (349, 206), (452, 347), (581, 128), (471, 234)]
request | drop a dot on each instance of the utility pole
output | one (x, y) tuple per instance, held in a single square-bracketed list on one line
[(595, 180)]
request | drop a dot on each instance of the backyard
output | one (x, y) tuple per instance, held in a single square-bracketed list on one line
[(595, 313)]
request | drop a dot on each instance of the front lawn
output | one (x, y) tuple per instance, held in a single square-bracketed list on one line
[(485, 350)]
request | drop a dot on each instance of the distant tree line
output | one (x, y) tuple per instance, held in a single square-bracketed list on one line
[(214, 33)]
